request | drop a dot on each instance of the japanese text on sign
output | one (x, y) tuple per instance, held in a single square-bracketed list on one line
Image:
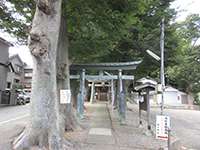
[(162, 127), (65, 96)]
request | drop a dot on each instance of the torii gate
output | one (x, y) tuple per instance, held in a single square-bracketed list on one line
[(104, 67)]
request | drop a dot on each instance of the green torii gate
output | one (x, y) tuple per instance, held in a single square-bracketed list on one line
[(104, 67)]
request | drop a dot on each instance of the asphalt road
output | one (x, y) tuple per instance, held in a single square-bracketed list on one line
[(8, 113), (12, 121), (186, 126)]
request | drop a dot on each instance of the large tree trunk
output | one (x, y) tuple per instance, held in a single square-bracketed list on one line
[(44, 130), (63, 77), (75, 90), (190, 97)]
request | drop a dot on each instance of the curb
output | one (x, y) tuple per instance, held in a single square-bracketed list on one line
[(184, 107)]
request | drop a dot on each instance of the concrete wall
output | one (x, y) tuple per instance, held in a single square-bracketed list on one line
[(3, 52), (170, 98), (3, 76), (3, 69)]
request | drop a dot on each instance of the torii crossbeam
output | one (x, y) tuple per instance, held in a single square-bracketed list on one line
[(95, 78)]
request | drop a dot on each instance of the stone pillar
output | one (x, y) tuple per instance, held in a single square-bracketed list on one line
[(122, 101), (112, 94), (109, 94), (92, 94), (81, 95), (148, 109), (116, 93), (140, 116)]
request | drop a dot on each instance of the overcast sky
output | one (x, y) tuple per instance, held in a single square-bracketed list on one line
[(184, 8)]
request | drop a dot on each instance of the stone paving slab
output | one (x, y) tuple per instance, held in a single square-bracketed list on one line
[(101, 147), (100, 139), (100, 131)]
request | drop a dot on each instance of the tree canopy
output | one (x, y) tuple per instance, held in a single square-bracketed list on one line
[(120, 30), (185, 72)]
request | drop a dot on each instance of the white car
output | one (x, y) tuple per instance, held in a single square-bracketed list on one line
[(22, 98)]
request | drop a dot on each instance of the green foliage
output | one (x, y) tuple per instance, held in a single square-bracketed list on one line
[(96, 27), (197, 99), (16, 17), (120, 30), (185, 73)]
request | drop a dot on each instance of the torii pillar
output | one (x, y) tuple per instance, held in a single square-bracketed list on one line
[(92, 94), (112, 93), (122, 100), (81, 95)]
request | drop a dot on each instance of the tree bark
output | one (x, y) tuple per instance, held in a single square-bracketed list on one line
[(75, 90), (44, 130), (190, 94), (63, 78)]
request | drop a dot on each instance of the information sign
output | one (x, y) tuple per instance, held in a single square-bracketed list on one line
[(162, 127), (65, 96)]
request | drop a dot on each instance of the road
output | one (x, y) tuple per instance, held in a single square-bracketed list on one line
[(12, 120), (186, 126)]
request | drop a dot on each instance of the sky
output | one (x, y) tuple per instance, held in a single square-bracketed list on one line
[(184, 8)]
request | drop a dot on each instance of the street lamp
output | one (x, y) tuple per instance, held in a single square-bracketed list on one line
[(161, 59), (156, 57), (162, 72)]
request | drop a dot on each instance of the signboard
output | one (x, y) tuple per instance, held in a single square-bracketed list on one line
[(143, 103), (159, 88), (162, 127), (65, 96)]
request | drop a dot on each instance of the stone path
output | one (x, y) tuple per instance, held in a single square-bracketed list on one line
[(104, 131)]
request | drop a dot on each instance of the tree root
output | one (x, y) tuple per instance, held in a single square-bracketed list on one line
[(69, 145), (27, 142), (22, 141), (73, 128), (72, 124)]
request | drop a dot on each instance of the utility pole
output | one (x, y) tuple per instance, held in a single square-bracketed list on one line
[(162, 72)]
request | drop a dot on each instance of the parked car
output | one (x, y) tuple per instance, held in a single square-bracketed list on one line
[(22, 97)]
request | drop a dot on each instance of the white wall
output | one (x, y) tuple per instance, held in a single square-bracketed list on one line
[(170, 98)]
